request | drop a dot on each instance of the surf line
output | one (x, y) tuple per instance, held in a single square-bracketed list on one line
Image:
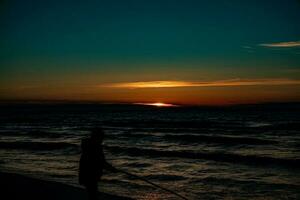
[(154, 184)]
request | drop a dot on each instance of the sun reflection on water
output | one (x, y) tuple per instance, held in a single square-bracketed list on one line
[(152, 196)]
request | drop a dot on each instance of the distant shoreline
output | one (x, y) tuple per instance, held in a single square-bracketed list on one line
[(86, 102), (268, 106), (16, 186)]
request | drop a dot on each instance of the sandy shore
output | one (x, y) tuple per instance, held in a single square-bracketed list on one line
[(14, 186)]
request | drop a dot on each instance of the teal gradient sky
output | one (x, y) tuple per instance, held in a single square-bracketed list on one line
[(69, 49)]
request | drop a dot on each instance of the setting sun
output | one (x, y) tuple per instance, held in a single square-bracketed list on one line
[(158, 104)]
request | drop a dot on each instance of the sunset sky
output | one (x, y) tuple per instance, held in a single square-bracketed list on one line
[(134, 51)]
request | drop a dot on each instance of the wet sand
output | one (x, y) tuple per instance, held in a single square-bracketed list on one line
[(15, 186)]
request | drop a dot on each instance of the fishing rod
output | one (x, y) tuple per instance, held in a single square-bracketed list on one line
[(154, 184)]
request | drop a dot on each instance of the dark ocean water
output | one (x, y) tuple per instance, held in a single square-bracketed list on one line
[(241, 152)]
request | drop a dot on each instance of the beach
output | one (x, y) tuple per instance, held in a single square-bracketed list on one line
[(15, 186)]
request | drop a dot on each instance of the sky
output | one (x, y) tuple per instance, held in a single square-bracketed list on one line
[(181, 52)]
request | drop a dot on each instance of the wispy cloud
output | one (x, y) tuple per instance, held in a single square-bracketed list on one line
[(218, 83), (282, 44), (247, 47)]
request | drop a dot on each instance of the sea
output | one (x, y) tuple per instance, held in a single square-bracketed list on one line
[(230, 152)]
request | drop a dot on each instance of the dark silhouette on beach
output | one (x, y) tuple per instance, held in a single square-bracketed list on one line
[(92, 162)]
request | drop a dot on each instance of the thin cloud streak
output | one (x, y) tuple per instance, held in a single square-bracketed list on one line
[(220, 83), (282, 44)]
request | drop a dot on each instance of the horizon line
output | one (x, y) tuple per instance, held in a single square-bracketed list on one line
[(99, 102)]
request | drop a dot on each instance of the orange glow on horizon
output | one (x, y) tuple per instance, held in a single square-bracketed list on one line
[(216, 83)]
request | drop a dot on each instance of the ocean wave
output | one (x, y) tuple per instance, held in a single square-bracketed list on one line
[(139, 165), (283, 126), (182, 124), (160, 123), (245, 183), (36, 133), (43, 134), (198, 138), (202, 126), (41, 146), (165, 177), (220, 139), (214, 156)]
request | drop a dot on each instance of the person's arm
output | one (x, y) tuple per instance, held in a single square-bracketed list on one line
[(109, 167)]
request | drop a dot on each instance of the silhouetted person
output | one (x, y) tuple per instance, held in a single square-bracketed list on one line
[(92, 162)]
